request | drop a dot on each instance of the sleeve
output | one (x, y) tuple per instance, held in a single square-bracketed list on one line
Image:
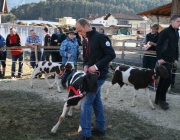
[(108, 50), (2, 41), (27, 40), (7, 42), (39, 40), (62, 38), (63, 49), (160, 44), (177, 53), (144, 41), (19, 40)]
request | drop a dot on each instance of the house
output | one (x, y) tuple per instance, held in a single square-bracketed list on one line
[(67, 21), (97, 19), (3, 8), (123, 19)]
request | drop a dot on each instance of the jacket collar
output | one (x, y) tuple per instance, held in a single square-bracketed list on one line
[(88, 34), (170, 26)]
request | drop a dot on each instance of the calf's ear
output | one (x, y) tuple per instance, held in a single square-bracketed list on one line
[(68, 66)]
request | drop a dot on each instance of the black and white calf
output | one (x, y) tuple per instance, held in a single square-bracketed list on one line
[(81, 82), (51, 68), (139, 78)]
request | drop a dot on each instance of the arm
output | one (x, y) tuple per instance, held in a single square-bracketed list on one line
[(144, 41), (108, 50), (2, 41), (63, 49), (160, 44), (7, 42), (177, 54)]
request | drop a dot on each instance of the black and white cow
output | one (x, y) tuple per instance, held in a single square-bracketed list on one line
[(139, 78), (81, 82), (48, 68)]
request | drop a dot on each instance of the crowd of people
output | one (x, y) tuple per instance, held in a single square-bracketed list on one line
[(97, 53)]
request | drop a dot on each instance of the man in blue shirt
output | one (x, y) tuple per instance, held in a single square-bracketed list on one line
[(32, 41), (2, 56)]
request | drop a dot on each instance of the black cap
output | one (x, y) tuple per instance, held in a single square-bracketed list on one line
[(71, 30), (45, 29)]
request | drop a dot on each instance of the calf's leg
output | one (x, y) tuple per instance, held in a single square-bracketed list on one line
[(134, 97), (61, 118), (149, 97), (107, 92)]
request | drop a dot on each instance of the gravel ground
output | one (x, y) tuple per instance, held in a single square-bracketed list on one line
[(158, 117)]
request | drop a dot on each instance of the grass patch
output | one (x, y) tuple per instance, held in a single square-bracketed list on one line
[(26, 116)]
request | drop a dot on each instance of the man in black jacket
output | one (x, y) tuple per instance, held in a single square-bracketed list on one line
[(99, 53), (167, 53)]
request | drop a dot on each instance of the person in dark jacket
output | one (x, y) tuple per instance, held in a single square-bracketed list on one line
[(2, 57), (167, 53), (13, 39), (56, 40), (151, 39), (99, 53), (47, 42)]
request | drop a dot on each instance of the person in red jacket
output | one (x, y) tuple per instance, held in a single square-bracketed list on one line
[(13, 39)]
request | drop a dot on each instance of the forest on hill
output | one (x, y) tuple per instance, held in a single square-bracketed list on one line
[(52, 9)]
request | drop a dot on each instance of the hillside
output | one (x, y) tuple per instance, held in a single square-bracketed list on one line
[(52, 9)]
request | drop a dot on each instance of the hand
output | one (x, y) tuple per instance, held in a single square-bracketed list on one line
[(92, 69), (151, 43), (56, 40), (69, 55), (161, 61), (175, 63), (85, 69)]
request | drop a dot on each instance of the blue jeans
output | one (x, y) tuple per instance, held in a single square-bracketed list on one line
[(14, 60), (90, 101), (149, 62), (45, 56), (32, 58)]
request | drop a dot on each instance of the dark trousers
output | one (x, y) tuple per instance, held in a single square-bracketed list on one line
[(173, 75), (13, 68), (149, 62), (33, 59), (164, 84), (56, 57), (68, 75), (45, 56), (3, 58)]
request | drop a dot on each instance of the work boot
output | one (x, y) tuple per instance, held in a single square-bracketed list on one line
[(80, 137), (163, 105), (97, 131)]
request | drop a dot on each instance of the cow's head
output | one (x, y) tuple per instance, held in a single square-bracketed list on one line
[(161, 71), (69, 65), (89, 83)]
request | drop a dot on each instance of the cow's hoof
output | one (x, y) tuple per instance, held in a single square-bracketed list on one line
[(121, 100), (153, 108), (50, 87), (59, 91), (32, 86), (132, 105), (52, 134)]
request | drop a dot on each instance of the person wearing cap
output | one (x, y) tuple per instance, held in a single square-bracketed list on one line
[(56, 40), (47, 42), (150, 41), (69, 50), (13, 39)]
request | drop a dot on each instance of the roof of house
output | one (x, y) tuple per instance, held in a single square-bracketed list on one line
[(164, 11), (124, 16), (3, 6), (94, 16), (97, 24)]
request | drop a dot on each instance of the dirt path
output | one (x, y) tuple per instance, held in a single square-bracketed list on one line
[(167, 119)]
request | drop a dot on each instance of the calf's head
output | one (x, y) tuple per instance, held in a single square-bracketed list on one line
[(69, 65), (162, 71), (89, 83)]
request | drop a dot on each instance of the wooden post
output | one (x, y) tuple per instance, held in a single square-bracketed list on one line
[(123, 45), (36, 55), (175, 7)]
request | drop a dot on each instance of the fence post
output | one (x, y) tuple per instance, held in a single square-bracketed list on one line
[(123, 45)]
